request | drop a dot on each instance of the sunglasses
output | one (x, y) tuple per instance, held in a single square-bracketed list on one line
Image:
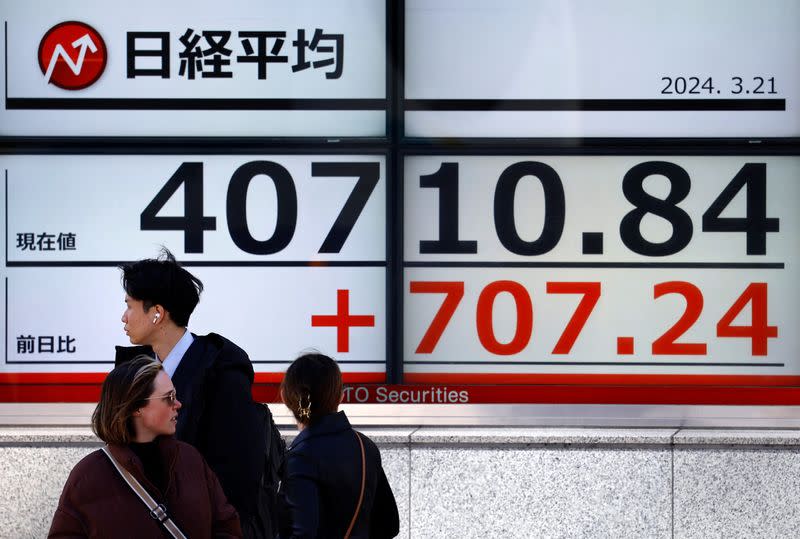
[(169, 398)]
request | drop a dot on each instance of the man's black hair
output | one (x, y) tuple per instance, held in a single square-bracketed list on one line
[(162, 281)]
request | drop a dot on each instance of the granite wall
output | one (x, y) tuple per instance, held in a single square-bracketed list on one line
[(513, 482)]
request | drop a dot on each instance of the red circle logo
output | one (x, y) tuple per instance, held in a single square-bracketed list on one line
[(72, 55)]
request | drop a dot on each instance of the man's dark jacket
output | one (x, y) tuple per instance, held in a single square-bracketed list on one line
[(214, 383)]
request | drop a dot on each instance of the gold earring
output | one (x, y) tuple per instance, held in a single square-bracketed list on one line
[(305, 411)]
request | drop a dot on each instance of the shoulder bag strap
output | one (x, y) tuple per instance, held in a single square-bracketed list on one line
[(157, 511), (363, 480)]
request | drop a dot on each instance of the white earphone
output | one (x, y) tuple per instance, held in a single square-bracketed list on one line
[(156, 318)]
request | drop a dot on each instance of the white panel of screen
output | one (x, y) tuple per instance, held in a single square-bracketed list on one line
[(608, 69), (150, 68)]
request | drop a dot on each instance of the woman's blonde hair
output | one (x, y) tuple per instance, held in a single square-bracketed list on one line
[(124, 391)]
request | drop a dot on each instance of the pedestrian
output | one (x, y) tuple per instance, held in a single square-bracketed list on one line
[(214, 378), (333, 483), (136, 418)]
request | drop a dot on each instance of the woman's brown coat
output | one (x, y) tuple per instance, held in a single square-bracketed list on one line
[(97, 502)]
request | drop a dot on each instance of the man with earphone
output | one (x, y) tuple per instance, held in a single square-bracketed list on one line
[(212, 376)]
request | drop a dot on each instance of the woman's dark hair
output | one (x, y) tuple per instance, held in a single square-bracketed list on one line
[(162, 281), (124, 391), (313, 382)]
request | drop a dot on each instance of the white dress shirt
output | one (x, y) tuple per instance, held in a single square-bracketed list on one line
[(175, 355)]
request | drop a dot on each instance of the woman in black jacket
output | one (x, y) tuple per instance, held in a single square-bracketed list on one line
[(331, 487)]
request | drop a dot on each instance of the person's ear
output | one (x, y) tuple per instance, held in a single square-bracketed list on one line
[(158, 313)]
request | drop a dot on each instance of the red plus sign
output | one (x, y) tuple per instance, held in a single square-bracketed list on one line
[(342, 320)]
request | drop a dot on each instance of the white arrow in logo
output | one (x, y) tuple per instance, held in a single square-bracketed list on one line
[(84, 43)]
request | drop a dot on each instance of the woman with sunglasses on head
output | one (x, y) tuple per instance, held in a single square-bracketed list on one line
[(136, 417), (333, 483)]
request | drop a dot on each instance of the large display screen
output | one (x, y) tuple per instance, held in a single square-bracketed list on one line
[(461, 201)]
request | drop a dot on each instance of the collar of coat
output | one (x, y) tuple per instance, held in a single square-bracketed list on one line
[(167, 448), (327, 424)]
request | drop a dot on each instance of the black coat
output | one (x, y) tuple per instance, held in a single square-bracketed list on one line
[(214, 383), (322, 482)]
